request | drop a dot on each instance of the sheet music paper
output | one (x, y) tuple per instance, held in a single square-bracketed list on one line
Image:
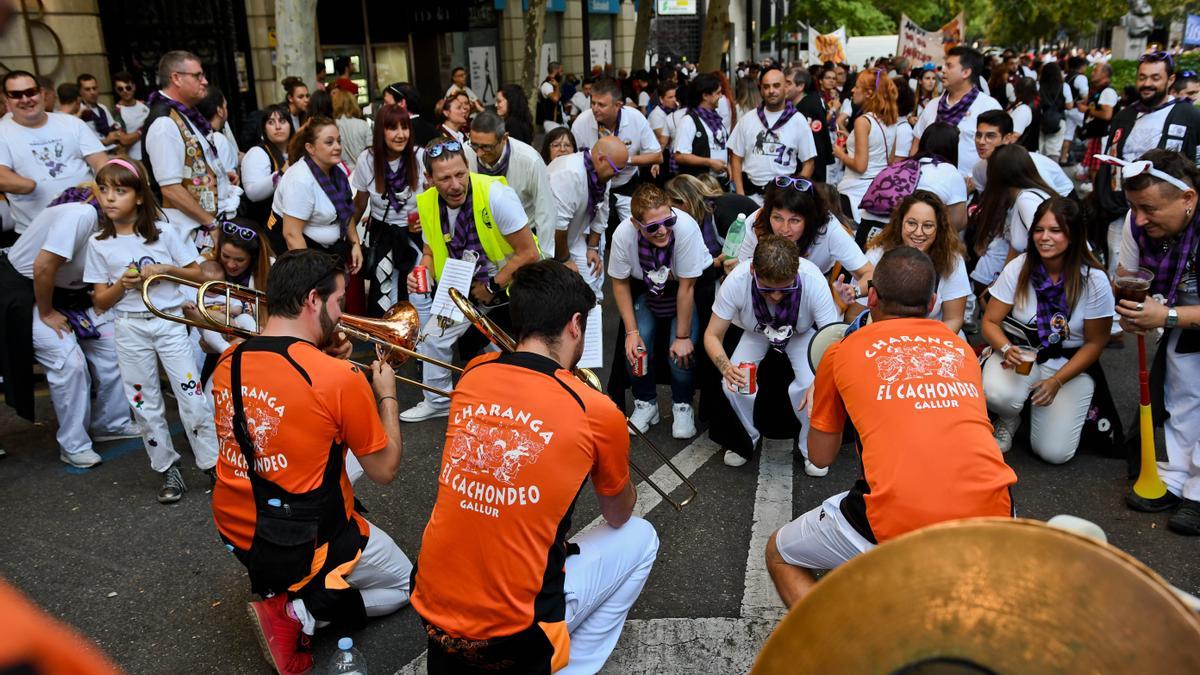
[(456, 274), (593, 341)]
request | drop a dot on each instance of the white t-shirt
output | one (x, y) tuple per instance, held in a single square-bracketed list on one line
[(258, 179), (454, 89), (507, 214), (166, 148), (943, 180), (835, 244), (1095, 302), (686, 134), (1021, 115), (51, 155), (953, 286), (1080, 87), (643, 99), (904, 138), (880, 140), (363, 178), (688, 261), (1146, 133), (63, 230), (107, 260), (229, 196), (528, 176), (967, 156), (726, 112), (734, 302), (300, 196), (632, 129), (1015, 235), (1047, 168), (579, 101), (133, 117), (1189, 290), (91, 124), (569, 184), (765, 155)]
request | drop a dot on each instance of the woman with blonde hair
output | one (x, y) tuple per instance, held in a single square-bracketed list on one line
[(865, 152), (356, 132)]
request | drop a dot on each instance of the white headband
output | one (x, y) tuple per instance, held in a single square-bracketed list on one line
[(1131, 169)]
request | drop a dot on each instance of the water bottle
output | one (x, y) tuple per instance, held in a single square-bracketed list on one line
[(348, 660), (733, 239)]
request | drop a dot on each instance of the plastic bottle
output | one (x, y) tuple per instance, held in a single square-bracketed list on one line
[(735, 236), (347, 660)]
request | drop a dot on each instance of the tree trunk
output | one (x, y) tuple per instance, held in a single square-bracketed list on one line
[(716, 29), (641, 35), (535, 23), (296, 40)]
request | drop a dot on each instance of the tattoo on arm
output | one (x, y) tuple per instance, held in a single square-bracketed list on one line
[(722, 363)]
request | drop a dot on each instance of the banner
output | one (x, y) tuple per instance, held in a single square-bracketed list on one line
[(1191, 31), (828, 47), (483, 72), (928, 46), (601, 51)]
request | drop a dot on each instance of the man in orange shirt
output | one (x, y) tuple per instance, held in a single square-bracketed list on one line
[(498, 586), (287, 413), (901, 377)]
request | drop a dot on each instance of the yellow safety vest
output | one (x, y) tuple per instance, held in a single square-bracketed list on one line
[(495, 246)]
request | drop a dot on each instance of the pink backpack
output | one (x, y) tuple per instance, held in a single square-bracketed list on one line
[(891, 186)]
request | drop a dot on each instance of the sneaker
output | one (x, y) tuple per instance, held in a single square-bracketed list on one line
[(284, 644), (1186, 520), (683, 421), (1139, 503), (173, 486), (1005, 429), (80, 460), (645, 414), (423, 411), (131, 430), (734, 459), (813, 470)]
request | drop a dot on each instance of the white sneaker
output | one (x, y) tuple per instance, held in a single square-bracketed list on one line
[(813, 470), (423, 411), (131, 430), (80, 460), (1006, 428), (683, 421), (645, 414), (734, 459)]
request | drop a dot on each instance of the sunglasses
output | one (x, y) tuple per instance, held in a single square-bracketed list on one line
[(801, 184), (651, 228), (235, 230), (443, 147), (1187, 74), (1158, 57), (614, 166), (121, 87), (32, 92), (772, 289)]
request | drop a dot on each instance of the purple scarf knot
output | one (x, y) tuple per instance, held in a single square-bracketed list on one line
[(708, 230), (1168, 259), (464, 235), (779, 327), (595, 187), (788, 111), (397, 183), (1053, 314), (81, 194), (335, 186), (716, 126), (190, 113), (501, 167), (656, 271), (953, 114)]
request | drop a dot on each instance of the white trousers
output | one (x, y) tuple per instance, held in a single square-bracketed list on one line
[(1051, 144), (1054, 429), (72, 383), (1181, 471), (141, 344), (752, 348), (602, 583), (381, 576), (822, 538), (439, 344)]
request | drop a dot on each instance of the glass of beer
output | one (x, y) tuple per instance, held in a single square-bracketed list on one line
[(1133, 285), (1028, 358)]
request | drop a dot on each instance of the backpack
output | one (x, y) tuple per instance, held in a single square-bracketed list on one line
[(1051, 108), (891, 186)]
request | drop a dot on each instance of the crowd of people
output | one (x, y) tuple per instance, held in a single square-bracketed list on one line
[(998, 198)]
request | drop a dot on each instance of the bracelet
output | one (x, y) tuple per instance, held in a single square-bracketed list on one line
[(631, 332), (593, 248), (1005, 348), (384, 398), (683, 337)]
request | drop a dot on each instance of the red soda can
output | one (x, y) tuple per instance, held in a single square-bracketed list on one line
[(414, 218), (751, 371), (641, 363), (422, 273)]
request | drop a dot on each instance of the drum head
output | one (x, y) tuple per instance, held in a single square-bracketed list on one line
[(826, 336), (987, 595)]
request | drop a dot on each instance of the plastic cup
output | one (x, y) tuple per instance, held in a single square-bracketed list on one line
[(1028, 358), (1133, 285)]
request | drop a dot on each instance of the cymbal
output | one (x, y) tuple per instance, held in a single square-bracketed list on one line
[(1004, 595)]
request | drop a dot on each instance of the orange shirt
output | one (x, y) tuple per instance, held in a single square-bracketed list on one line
[(914, 391), (524, 434), (293, 424), (35, 643)]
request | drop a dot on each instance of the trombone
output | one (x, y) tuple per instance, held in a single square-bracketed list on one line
[(396, 334), (505, 342)]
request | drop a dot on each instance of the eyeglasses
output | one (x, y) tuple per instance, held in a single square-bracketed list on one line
[(485, 149), (443, 147), (772, 289), (651, 228), (614, 166), (1158, 57), (198, 75), (233, 229), (32, 92), (801, 184)]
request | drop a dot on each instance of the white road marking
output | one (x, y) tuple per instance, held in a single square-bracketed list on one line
[(686, 646), (772, 510)]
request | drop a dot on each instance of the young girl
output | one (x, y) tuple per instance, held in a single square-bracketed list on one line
[(133, 244)]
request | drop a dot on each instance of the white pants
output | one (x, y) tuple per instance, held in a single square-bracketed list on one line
[(1051, 144), (1181, 471), (752, 348), (1054, 429), (579, 256), (381, 576), (822, 538), (1074, 120), (439, 344), (141, 344), (601, 585), (72, 383)]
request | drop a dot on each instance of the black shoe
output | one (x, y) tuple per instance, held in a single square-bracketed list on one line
[(173, 486), (212, 477), (1186, 520), (1138, 503)]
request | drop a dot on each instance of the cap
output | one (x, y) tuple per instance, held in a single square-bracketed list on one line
[(345, 644)]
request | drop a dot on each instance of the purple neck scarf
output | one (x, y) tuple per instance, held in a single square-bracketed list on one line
[(501, 168), (657, 261), (1144, 109), (595, 187), (397, 183), (777, 328), (464, 235), (788, 111), (191, 114), (77, 195), (1168, 258), (1052, 311), (337, 188), (953, 114), (708, 229), (712, 119)]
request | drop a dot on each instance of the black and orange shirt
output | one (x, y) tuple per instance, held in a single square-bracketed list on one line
[(914, 391), (524, 434), (295, 411)]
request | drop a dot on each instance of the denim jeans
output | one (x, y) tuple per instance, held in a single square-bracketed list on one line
[(682, 379)]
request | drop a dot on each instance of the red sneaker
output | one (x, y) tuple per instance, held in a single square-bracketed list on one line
[(284, 644)]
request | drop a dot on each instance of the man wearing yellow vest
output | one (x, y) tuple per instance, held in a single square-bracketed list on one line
[(473, 217)]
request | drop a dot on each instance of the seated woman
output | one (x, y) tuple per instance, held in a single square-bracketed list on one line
[(923, 222), (1052, 305), (779, 300), (657, 255), (1015, 189)]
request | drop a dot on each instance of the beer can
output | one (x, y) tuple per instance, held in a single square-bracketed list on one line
[(641, 363), (751, 371), (422, 273)]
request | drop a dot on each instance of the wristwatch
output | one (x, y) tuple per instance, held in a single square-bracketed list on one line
[(1172, 318)]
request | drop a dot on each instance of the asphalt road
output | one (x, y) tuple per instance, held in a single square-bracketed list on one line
[(154, 588)]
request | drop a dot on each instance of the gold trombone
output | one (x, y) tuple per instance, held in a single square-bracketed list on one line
[(396, 334), (505, 342)]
